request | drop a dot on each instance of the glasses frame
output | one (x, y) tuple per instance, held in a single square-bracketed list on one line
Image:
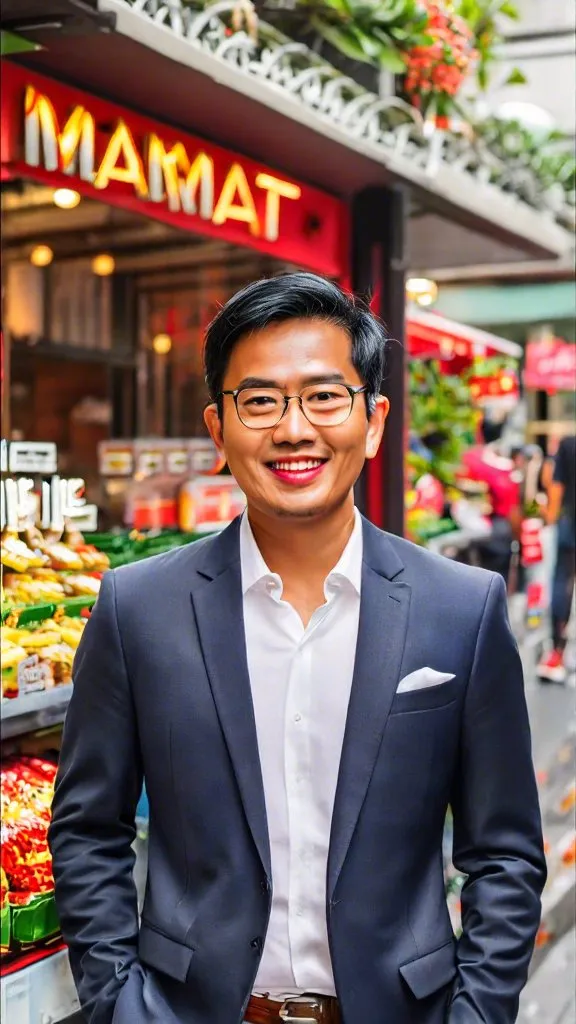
[(352, 389)]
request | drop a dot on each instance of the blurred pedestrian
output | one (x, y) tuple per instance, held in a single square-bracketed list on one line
[(561, 513), (305, 695)]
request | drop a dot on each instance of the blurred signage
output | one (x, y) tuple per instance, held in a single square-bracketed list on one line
[(503, 384), (146, 457), (550, 365), (208, 504), (107, 152)]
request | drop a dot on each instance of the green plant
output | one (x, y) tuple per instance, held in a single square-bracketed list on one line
[(375, 32), (442, 416), (484, 18), (549, 157)]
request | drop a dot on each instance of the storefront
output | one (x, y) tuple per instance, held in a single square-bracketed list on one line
[(106, 300)]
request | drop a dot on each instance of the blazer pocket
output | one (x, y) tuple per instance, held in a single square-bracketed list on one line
[(164, 954), (428, 698), (431, 972)]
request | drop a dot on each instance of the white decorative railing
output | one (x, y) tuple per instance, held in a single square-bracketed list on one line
[(389, 122)]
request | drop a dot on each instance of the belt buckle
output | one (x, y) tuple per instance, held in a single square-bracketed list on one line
[(286, 1016)]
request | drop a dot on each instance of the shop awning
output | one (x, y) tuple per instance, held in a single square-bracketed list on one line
[(276, 102), (431, 336)]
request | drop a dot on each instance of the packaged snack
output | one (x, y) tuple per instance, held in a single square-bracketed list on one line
[(12, 656)]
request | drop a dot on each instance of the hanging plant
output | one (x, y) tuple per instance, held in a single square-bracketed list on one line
[(437, 71), (484, 18)]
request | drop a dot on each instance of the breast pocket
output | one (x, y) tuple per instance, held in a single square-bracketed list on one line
[(428, 698)]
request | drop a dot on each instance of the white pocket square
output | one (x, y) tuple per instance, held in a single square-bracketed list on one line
[(422, 678)]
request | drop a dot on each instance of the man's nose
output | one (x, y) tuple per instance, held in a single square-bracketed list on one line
[(294, 428)]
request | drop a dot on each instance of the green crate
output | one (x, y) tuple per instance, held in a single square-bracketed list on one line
[(5, 930), (37, 921)]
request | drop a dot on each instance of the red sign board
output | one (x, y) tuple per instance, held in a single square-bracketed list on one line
[(550, 365), (61, 136)]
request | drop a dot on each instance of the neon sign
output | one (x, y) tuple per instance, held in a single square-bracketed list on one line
[(184, 181)]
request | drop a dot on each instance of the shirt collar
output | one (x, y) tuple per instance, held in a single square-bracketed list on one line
[(254, 568)]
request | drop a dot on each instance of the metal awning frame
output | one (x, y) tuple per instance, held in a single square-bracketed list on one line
[(442, 169)]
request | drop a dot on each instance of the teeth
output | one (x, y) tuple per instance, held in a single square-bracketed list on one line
[(297, 467)]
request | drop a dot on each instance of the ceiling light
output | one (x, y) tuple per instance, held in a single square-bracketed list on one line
[(421, 290), (66, 198), (41, 255), (103, 265), (162, 344)]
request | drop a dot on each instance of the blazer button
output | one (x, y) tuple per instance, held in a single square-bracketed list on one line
[(256, 944), (265, 887)]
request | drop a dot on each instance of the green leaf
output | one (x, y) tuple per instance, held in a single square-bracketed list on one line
[(510, 10), (390, 60), (11, 43), (391, 11), (341, 40), (516, 77)]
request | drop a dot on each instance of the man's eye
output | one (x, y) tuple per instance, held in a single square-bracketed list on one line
[(260, 400), (324, 396)]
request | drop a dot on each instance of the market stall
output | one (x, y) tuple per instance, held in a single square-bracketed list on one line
[(454, 371)]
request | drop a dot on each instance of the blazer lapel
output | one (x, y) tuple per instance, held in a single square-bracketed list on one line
[(382, 630), (217, 602)]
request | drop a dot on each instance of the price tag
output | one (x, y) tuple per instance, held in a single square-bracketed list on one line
[(83, 518), (150, 462), (33, 675), (115, 461), (177, 461), (32, 457)]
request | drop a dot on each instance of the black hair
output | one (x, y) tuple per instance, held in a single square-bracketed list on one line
[(291, 297)]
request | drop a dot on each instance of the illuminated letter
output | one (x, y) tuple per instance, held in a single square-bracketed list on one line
[(61, 148), (122, 145), (275, 188), (166, 171), (236, 182)]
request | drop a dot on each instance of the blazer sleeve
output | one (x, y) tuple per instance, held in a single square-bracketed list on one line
[(93, 816), (497, 829)]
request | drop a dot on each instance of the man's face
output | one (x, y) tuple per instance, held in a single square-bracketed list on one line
[(291, 355)]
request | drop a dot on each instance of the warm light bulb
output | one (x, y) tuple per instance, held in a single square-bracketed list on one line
[(421, 290), (103, 265), (66, 198), (162, 344), (41, 255)]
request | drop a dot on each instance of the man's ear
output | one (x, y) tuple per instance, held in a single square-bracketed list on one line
[(376, 425), (214, 425)]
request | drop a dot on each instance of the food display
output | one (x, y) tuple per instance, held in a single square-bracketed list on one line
[(39, 656), (28, 911)]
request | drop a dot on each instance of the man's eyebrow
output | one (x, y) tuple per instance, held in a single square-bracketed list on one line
[(263, 382)]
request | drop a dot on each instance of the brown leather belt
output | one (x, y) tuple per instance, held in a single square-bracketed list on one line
[(301, 1010)]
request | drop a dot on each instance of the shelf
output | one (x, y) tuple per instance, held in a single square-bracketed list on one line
[(43, 993), (34, 711)]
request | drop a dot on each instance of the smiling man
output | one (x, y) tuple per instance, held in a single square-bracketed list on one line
[(305, 696)]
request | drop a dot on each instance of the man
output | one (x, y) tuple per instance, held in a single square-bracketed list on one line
[(561, 513), (304, 696)]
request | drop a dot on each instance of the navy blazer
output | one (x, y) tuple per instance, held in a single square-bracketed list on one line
[(161, 691)]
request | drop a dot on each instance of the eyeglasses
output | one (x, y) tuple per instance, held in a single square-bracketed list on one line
[(324, 405)]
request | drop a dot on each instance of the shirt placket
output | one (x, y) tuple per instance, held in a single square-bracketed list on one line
[(297, 775)]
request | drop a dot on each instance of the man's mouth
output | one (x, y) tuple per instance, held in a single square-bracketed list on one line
[(297, 471)]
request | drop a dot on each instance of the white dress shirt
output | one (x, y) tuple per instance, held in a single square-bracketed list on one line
[(301, 681)]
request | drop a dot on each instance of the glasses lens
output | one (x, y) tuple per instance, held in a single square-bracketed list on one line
[(260, 407), (326, 404)]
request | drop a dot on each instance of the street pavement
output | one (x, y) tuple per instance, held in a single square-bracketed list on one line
[(549, 997)]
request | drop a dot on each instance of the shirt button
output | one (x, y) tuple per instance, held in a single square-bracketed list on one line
[(297, 717)]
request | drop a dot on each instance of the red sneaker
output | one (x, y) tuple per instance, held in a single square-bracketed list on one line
[(551, 669)]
